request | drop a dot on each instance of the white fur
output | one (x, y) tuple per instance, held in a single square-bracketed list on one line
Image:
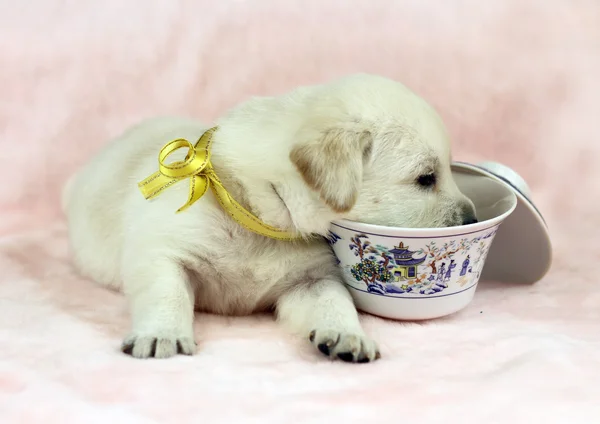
[(364, 140)]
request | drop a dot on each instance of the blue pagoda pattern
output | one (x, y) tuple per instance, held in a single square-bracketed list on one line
[(406, 264)]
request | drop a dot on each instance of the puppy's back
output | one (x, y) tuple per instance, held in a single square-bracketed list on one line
[(95, 198)]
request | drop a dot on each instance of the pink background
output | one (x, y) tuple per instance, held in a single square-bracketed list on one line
[(515, 81)]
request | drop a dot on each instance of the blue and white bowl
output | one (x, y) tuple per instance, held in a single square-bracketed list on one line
[(421, 273)]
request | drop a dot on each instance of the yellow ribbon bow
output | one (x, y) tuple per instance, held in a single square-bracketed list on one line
[(197, 167)]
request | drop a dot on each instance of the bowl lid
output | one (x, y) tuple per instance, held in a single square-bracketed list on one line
[(521, 251)]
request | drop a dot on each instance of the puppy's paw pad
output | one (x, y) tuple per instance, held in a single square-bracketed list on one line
[(157, 347), (347, 347)]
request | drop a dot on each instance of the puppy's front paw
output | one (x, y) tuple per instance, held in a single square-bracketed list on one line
[(348, 347), (149, 346)]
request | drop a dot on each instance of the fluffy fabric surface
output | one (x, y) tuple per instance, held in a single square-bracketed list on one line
[(515, 81)]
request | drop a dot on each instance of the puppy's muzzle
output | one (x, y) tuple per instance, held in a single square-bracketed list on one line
[(468, 214)]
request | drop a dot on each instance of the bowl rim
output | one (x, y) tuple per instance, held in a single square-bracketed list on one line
[(458, 230)]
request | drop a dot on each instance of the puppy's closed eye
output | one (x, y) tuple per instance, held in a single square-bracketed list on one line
[(427, 180)]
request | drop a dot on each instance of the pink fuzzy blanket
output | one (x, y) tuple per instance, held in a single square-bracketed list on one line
[(516, 81)]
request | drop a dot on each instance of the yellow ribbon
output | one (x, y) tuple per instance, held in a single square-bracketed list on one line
[(197, 167)]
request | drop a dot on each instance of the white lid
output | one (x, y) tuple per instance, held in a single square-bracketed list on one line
[(521, 251)]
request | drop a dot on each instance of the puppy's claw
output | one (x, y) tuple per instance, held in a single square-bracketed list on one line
[(346, 357), (157, 347), (346, 347), (324, 348), (127, 347), (153, 348)]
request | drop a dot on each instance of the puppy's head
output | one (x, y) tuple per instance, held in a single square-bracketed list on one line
[(376, 153)]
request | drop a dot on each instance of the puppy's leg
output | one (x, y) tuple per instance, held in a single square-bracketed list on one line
[(162, 309), (324, 312)]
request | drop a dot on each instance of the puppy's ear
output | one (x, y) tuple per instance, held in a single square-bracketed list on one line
[(332, 164)]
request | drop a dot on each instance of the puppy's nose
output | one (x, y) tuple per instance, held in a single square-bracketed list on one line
[(468, 214), (469, 220)]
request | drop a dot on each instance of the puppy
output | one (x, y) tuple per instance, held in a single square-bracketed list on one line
[(363, 148)]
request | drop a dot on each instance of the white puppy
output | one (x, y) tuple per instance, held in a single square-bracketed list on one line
[(363, 148)]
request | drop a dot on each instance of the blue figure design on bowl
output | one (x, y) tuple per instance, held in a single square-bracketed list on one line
[(465, 265)]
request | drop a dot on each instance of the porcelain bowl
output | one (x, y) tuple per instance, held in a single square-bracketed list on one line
[(421, 273)]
